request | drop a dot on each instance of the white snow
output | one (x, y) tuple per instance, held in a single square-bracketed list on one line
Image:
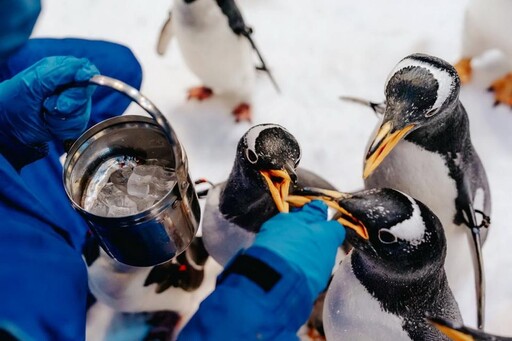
[(318, 50)]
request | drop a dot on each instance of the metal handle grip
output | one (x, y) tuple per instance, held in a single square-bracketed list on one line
[(151, 109)]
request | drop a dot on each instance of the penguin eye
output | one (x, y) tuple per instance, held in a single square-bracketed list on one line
[(387, 237), (251, 156)]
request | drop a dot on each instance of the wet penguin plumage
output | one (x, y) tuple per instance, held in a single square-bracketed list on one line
[(394, 274), (217, 46), (423, 148), (263, 173)]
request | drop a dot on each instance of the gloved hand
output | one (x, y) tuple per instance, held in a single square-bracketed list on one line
[(306, 240), (17, 18), (32, 113)]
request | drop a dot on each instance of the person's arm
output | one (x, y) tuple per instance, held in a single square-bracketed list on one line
[(33, 112), (267, 291)]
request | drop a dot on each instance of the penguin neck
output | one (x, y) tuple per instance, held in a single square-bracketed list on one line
[(446, 135), (416, 288), (245, 200)]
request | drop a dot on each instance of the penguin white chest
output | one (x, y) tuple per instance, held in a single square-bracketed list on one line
[(488, 26), (220, 58), (423, 175), (222, 239), (352, 313)]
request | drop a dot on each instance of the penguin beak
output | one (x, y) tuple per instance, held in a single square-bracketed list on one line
[(331, 198), (455, 333), (278, 182), (383, 143)]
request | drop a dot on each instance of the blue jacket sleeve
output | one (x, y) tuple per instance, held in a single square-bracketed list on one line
[(258, 297), (19, 155)]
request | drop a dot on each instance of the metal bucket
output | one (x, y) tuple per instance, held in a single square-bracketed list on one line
[(160, 232)]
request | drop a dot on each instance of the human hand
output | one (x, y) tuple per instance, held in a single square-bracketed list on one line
[(306, 240), (32, 112)]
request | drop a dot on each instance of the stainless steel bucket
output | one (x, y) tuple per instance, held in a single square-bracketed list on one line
[(159, 233)]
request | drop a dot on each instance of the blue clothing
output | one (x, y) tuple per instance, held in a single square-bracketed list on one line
[(44, 177), (39, 230), (241, 309)]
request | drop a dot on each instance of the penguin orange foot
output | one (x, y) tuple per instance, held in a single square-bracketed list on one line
[(502, 89), (200, 93), (464, 70), (243, 113)]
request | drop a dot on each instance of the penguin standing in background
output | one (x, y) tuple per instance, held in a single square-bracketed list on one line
[(423, 148), (487, 26), (217, 46), (263, 174), (393, 275), (157, 301), (459, 332)]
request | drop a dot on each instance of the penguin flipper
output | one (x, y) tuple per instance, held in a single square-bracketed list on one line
[(378, 108), (165, 36)]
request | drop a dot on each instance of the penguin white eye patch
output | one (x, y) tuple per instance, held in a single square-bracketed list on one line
[(444, 79)]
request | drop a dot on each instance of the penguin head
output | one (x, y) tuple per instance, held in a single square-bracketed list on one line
[(401, 233), (263, 173), (421, 90)]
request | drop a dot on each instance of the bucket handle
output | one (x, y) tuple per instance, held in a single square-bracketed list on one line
[(156, 114)]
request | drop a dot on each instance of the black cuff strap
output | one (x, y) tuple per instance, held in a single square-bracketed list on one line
[(255, 270)]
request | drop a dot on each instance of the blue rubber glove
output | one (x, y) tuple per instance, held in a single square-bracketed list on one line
[(306, 240), (17, 19), (32, 113)]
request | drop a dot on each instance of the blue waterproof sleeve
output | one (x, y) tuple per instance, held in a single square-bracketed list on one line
[(259, 297)]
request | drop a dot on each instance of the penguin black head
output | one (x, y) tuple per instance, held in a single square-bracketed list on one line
[(420, 91), (264, 169), (401, 232)]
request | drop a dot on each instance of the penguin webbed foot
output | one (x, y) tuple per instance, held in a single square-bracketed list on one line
[(200, 93), (464, 70), (242, 112), (502, 89)]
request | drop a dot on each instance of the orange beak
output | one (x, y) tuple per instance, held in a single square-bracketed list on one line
[(278, 182), (330, 197), (383, 143)]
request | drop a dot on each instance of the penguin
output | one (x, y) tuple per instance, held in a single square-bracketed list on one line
[(148, 298), (217, 46), (393, 275), (423, 148), (459, 332), (487, 26), (263, 174)]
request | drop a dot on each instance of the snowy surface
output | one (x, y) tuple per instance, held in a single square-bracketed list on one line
[(317, 50)]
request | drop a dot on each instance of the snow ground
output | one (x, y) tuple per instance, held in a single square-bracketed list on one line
[(317, 50)]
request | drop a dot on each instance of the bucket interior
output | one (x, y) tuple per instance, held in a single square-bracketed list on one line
[(132, 137)]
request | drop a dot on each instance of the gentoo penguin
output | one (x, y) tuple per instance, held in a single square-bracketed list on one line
[(393, 275), (423, 148), (263, 174), (487, 26), (217, 46), (152, 295), (459, 332)]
